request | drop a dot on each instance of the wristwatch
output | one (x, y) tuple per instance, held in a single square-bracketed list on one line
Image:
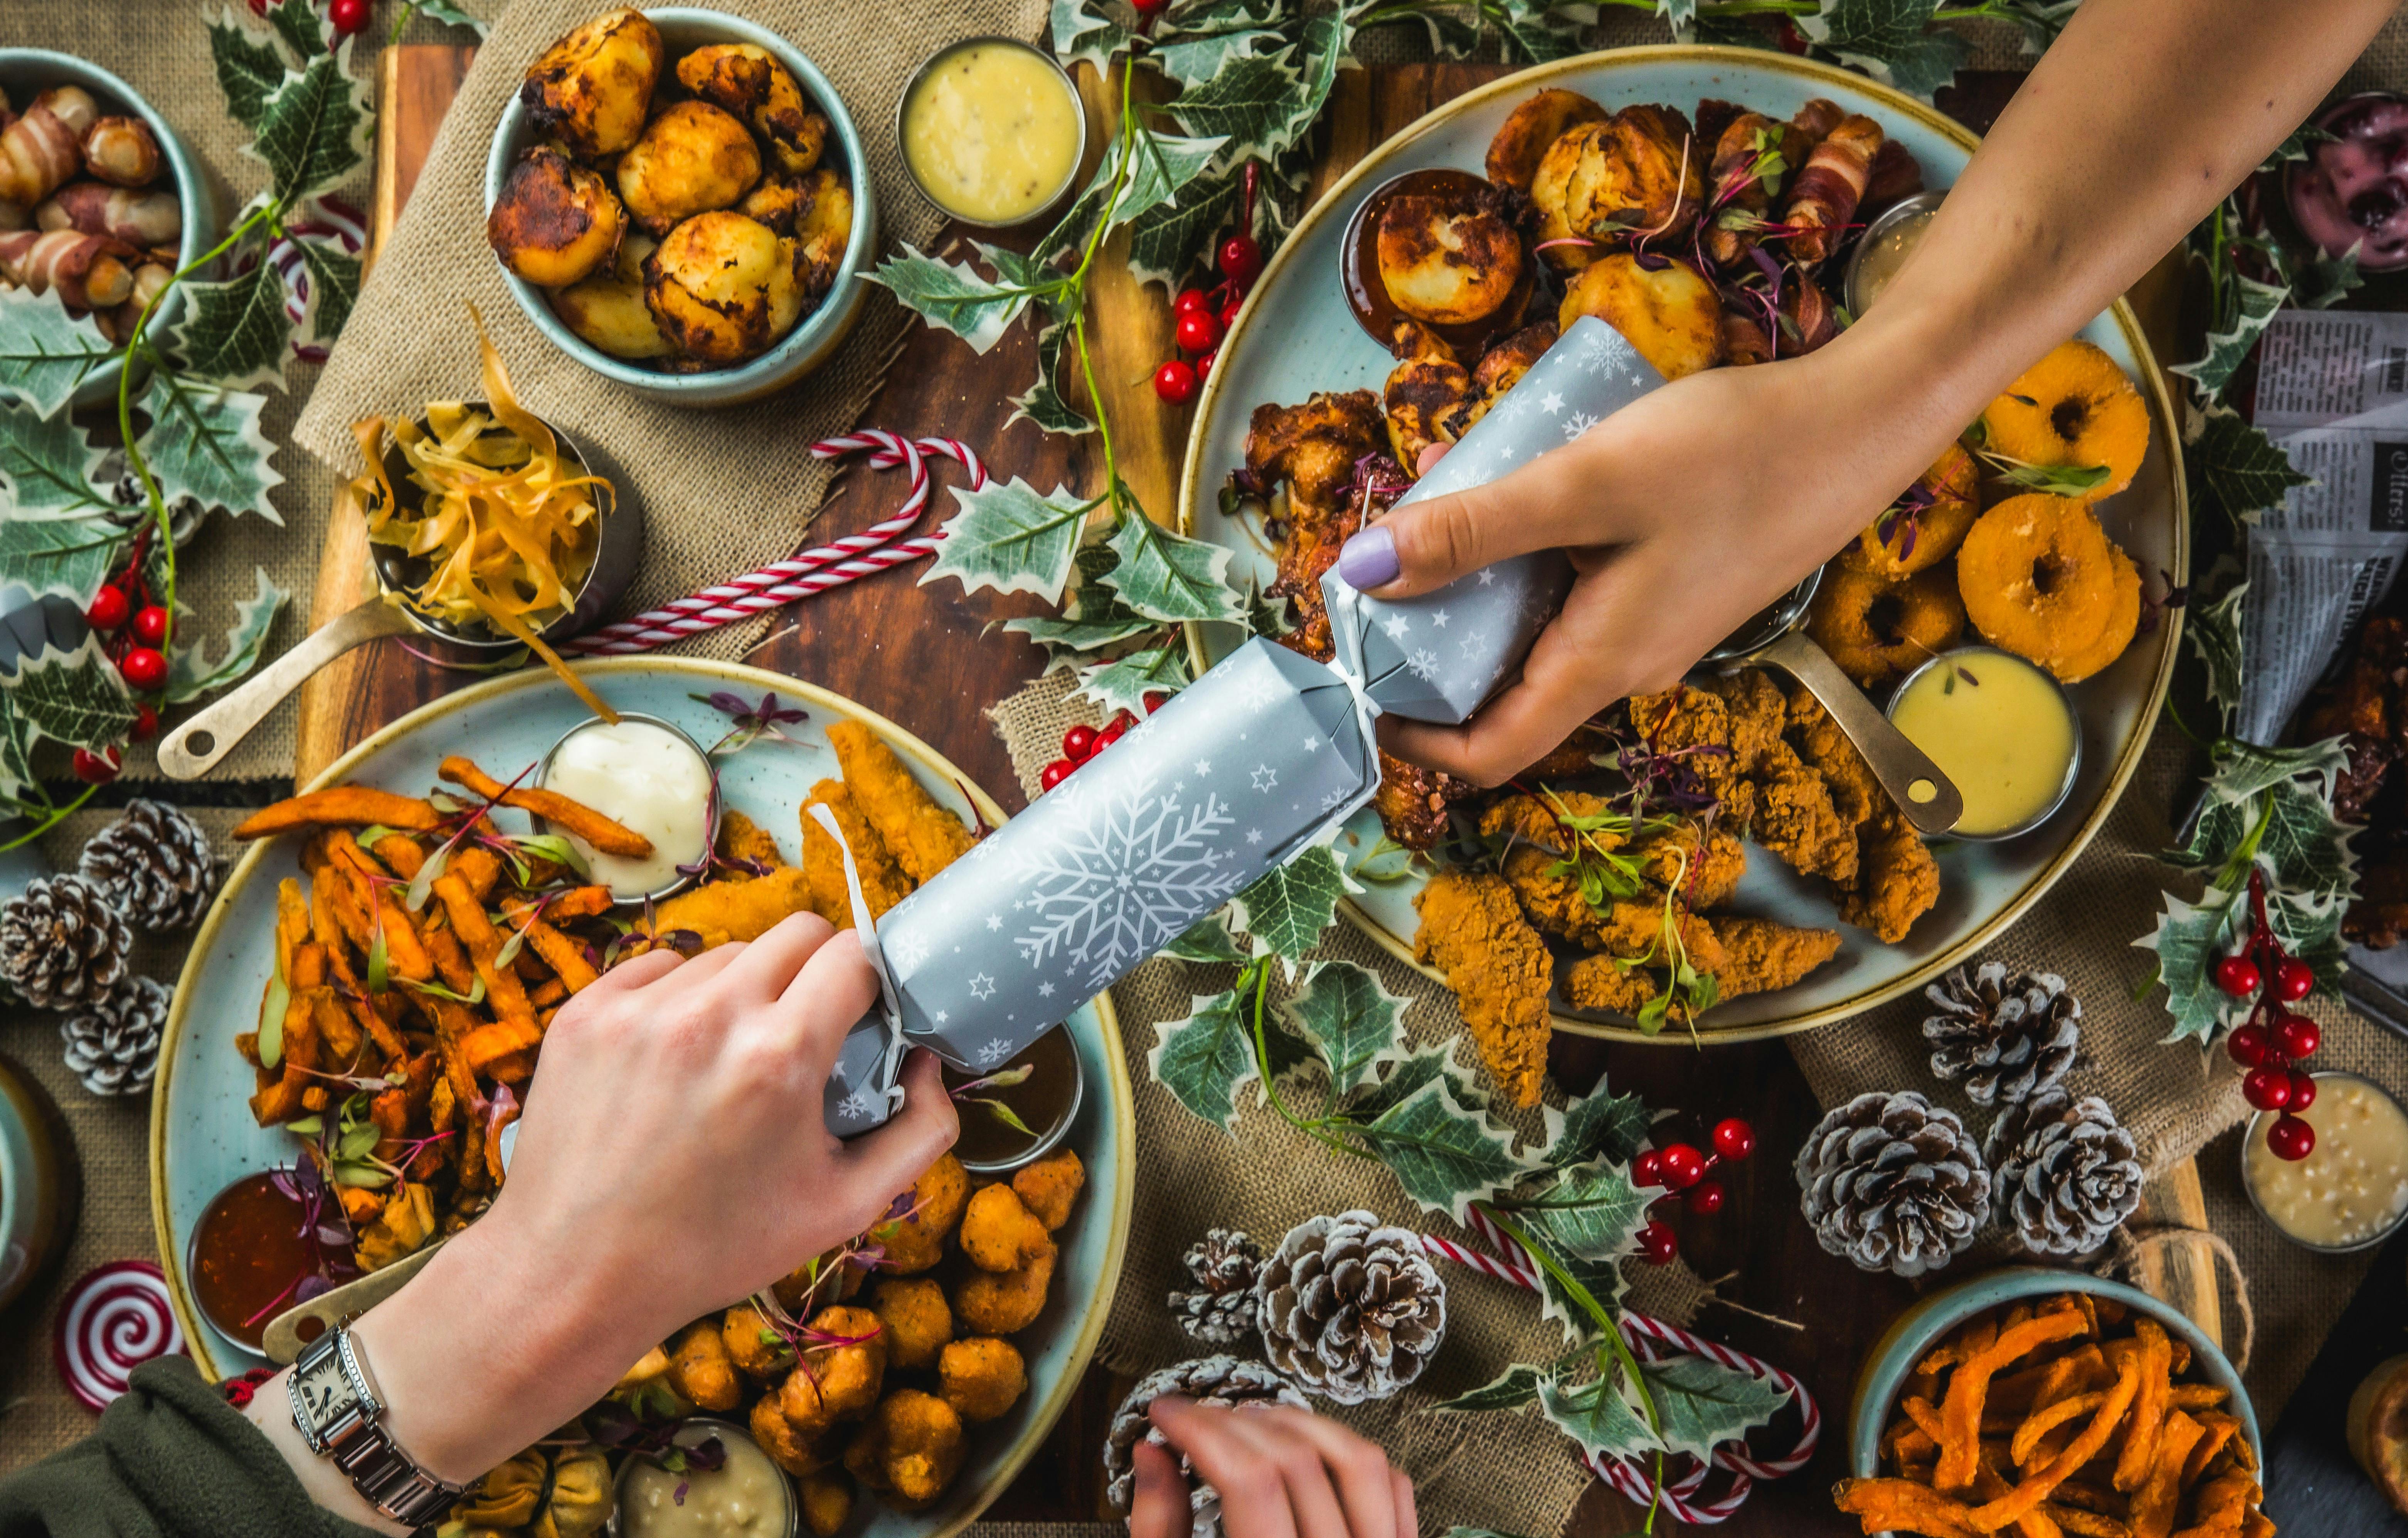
[(340, 1416)]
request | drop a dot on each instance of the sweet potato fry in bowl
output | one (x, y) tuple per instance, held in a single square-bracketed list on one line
[(584, 822), (341, 806)]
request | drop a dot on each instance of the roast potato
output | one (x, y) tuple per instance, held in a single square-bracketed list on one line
[(1662, 305), (1501, 367), (1429, 396), (723, 288), (692, 159), (823, 229), (1449, 260), (1530, 129), (608, 309), (774, 203), (1636, 173), (591, 89), (555, 223), (750, 83)]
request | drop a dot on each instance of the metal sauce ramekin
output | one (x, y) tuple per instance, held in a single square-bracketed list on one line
[(2257, 1132), (1890, 219), (1078, 108), (709, 816), (2074, 717)]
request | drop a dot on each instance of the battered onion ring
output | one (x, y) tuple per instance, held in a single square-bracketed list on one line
[(2073, 408), (2122, 623), (1921, 539), (2038, 576), (1879, 629)]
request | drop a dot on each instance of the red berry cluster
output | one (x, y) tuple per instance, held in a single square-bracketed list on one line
[(2272, 1040), (1084, 742), (1201, 316), (137, 628), (1681, 1169), (348, 17)]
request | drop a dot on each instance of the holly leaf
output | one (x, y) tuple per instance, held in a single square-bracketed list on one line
[(1601, 1125), (70, 557), (1700, 1403), (1195, 60), (451, 15), (2189, 939), (1255, 103), (1533, 28), (1591, 1211), (2325, 281), (2235, 467), (1042, 402), (1266, 616), (2309, 926), (1123, 682), (333, 289), (1200, 18), (47, 466), (1207, 943), (2305, 848), (313, 130), (45, 352), (1328, 40), (1082, 31), (233, 333), (1515, 1386), (1453, 35), (951, 295), (2215, 632), (249, 69), (1288, 906), (1444, 1155), (1169, 242), (1161, 168), (2239, 770), (204, 442), (1891, 39), (1203, 1059), (302, 28), (73, 697), (2254, 304), (1353, 1022), (1164, 576), (16, 750), (1598, 1416), (1680, 15), (1009, 538), (189, 672), (1064, 640), (1412, 1071)]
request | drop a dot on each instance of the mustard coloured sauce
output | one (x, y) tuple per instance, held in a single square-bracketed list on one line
[(1886, 254), (1999, 727), (992, 132)]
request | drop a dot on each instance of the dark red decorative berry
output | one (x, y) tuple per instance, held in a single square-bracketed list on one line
[(145, 722), (1229, 310), (2237, 975), (2250, 1046), (97, 768), (2290, 1138), (151, 625), (1192, 302), (1077, 742), (1147, 7), (2294, 980), (1241, 260), (1196, 331), (1647, 1169), (1734, 1139), (1705, 1198), (1204, 365), (1111, 734), (109, 607), (2298, 1037), (1154, 699), (144, 668), (1055, 772), (349, 16), (2304, 1091), (2267, 1089), (1175, 382), (1684, 1166), (1658, 1244)]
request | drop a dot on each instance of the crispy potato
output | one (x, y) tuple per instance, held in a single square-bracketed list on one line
[(1532, 129), (823, 229), (608, 309), (757, 1350), (918, 1323), (748, 83), (787, 1448), (1501, 367), (1002, 1302), (827, 1503), (916, 1241), (1000, 1234), (700, 1369), (1670, 314), (1050, 1187), (555, 223), (723, 288), (775, 203), (1449, 260), (1430, 398), (693, 158), (1636, 173), (834, 1383), (1559, 244), (981, 1377), (592, 88), (909, 1450)]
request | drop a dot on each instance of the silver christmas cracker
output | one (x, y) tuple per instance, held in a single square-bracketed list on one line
[(1235, 776)]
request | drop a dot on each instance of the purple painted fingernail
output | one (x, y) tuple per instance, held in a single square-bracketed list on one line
[(1369, 560)]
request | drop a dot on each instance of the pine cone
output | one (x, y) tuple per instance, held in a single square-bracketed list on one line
[(60, 943), (1221, 1311), (1893, 1181), (2006, 1039), (113, 1045), (1351, 1310), (1229, 1382), (154, 865), (2063, 1174)]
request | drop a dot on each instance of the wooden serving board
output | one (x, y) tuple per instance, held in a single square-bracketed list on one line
[(873, 641)]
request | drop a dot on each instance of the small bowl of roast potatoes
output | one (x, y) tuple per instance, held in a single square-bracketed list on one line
[(680, 202)]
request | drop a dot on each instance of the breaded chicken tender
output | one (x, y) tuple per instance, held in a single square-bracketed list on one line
[(1707, 863), (741, 839), (1473, 930), (1539, 819), (835, 1382), (1855, 794), (916, 1241), (1760, 955), (918, 1320), (981, 1377), (909, 1450), (827, 1503), (1897, 880), (701, 1369), (1603, 984), (998, 1234), (991, 1302), (786, 1448), (1049, 1187), (758, 1351), (734, 910), (882, 881), (925, 837)]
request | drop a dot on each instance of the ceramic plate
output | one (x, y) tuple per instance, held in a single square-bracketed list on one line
[(1297, 336), (203, 1138)]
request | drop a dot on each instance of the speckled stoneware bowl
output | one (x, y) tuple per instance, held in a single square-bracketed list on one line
[(24, 73), (1916, 1331), (203, 1138), (817, 334), (41, 1190)]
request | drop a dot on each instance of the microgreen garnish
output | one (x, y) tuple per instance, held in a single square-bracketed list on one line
[(1685, 987), (1902, 521), (1002, 1079), (475, 996), (753, 721)]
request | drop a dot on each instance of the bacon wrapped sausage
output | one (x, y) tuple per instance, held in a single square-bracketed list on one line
[(1823, 200), (41, 149), (94, 208), (89, 271), (121, 150)]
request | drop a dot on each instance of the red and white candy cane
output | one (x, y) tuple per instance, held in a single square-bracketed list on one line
[(831, 565), (1651, 1340), (326, 222)]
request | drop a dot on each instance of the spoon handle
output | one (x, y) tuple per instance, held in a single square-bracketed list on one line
[(1928, 798), (282, 1341), (193, 749)]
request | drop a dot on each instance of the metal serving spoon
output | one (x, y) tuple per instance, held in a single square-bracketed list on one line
[(1928, 798)]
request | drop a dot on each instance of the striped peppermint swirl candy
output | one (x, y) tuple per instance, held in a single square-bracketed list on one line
[(115, 1318), (326, 221)]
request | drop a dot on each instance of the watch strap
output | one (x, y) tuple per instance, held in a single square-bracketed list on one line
[(388, 1478)]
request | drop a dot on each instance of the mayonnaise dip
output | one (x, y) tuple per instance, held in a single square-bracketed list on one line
[(646, 778)]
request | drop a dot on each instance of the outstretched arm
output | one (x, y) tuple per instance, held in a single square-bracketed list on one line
[(1688, 511)]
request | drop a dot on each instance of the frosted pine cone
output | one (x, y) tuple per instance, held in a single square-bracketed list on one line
[(1228, 1382), (1220, 1310), (1351, 1310), (113, 1045), (1893, 1182), (60, 943), (154, 865), (2006, 1038), (2064, 1175)]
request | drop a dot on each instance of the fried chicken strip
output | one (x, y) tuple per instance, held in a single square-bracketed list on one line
[(925, 837), (1472, 930), (1760, 955), (1312, 449)]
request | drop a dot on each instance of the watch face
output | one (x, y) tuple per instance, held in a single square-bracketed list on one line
[(321, 1391)]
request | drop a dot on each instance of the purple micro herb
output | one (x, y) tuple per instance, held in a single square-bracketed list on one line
[(1651, 261), (753, 721)]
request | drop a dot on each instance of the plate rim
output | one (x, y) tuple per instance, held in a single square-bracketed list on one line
[(2153, 383), (1090, 1330)]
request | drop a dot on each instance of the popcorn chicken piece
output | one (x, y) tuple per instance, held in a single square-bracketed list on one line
[(918, 1320), (1000, 1302), (701, 1369), (827, 1503), (916, 1241), (981, 1377), (998, 1234), (757, 1350), (834, 1383), (910, 1451), (787, 1448), (1050, 1187)]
